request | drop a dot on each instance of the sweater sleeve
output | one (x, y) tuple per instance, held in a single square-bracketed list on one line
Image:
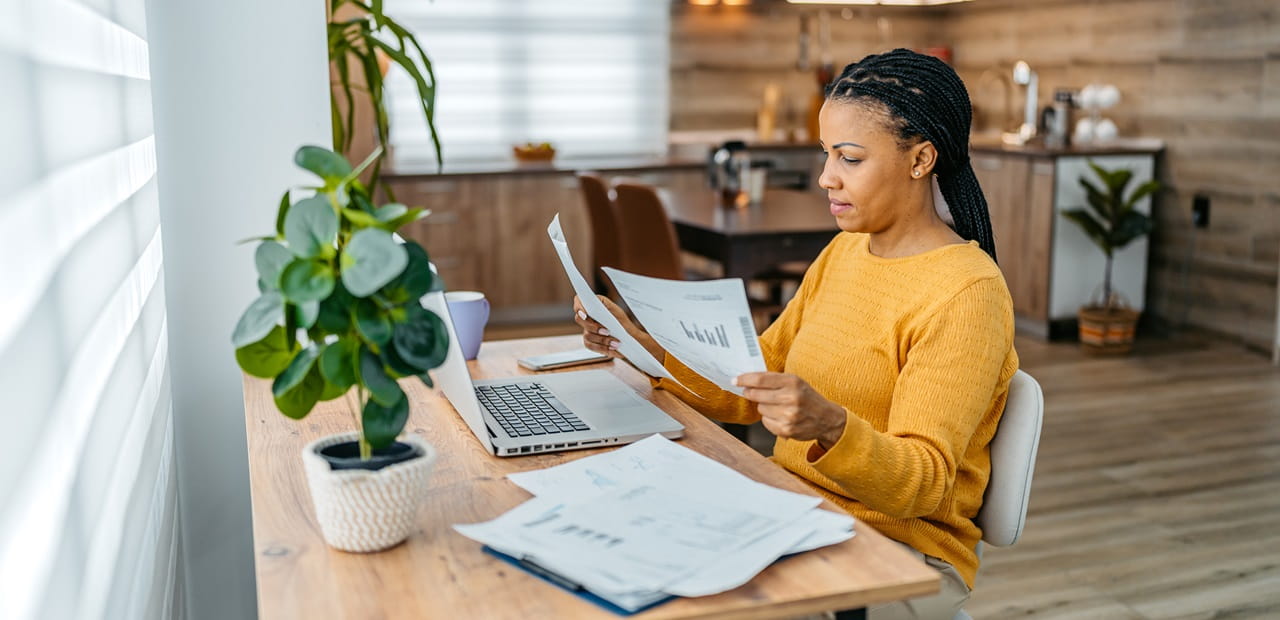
[(948, 380), (775, 345)]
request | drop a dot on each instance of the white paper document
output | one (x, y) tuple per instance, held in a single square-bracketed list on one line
[(654, 519), (706, 324), (629, 347)]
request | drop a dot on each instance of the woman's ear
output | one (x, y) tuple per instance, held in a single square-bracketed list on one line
[(923, 159)]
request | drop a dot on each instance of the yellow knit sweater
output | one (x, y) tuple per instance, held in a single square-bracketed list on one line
[(919, 352)]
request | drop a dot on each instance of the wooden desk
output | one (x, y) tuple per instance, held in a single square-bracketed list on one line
[(438, 573), (787, 225)]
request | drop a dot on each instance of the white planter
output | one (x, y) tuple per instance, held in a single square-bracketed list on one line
[(362, 510)]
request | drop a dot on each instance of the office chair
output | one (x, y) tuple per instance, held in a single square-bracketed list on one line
[(606, 241), (1013, 460)]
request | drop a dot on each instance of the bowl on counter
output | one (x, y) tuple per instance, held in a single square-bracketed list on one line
[(530, 152)]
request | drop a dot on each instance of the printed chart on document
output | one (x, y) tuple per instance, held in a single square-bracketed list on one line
[(706, 324)]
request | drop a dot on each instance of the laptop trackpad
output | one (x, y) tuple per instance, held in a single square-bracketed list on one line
[(596, 403)]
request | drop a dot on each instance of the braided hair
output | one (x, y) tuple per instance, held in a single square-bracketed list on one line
[(926, 101)]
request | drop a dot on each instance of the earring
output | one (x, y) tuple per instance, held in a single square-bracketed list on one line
[(915, 173)]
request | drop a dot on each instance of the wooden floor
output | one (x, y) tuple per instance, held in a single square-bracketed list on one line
[(1157, 487)]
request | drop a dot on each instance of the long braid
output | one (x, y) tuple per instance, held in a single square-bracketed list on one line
[(930, 102)]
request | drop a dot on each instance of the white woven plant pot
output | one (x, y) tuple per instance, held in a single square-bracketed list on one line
[(362, 510)]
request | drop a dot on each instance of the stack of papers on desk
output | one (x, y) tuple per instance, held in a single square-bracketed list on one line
[(654, 519)]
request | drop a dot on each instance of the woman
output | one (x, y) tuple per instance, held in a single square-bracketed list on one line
[(889, 369)]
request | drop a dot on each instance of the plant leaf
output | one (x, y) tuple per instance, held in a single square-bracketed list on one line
[(262, 314), (382, 388), (1096, 231), (1097, 200), (331, 391), (1132, 225), (268, 357), (281, 212), (325, 163), (338, 363), (381, 425), (422, 340), (371, 323), (270, 259), (416, 279), (371, 260), (1144, 190), (311, 228), (335, 310), (306, 313), (298, 388), (306, 280), (395, 364)]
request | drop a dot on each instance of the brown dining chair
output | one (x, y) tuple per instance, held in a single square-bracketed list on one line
[(651, 248), (606, 241)]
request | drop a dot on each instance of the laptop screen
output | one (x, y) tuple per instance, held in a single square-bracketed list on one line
[(453, 376)]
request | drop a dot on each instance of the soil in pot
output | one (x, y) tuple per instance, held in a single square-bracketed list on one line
[(346, 455)]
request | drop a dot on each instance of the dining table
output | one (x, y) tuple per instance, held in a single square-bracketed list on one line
[(747, 239)]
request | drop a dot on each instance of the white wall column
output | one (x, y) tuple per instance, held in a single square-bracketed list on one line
[(237, 86)]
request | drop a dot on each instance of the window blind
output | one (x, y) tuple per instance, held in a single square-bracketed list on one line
[(89, 525), (589, 77)]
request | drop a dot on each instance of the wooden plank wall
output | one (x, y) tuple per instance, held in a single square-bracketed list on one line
[(722, 57), (1203, 75)]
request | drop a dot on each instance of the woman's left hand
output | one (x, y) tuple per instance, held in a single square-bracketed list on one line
[(790, 408)]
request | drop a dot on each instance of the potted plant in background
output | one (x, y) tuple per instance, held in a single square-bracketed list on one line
[(363, 44), (339, 318), (1112, 222)]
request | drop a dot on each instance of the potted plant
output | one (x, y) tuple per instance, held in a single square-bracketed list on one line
[(339, 318), (1112, 222)]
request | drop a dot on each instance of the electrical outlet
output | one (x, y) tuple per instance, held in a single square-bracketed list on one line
[(1200, 211)]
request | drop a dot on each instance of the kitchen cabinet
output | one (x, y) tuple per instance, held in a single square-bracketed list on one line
[(487, 230), (1050, 265)]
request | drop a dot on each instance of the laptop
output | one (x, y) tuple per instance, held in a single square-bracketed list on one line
[(533, 414)]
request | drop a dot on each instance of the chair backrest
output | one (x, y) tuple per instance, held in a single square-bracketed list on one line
[(1013, 461), (651, 248), (606, 241)]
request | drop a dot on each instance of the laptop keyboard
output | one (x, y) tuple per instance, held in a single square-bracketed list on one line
[(528, 409)]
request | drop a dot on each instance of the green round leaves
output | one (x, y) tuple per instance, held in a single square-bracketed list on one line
[(298, 388), (371, 260), (382, 424), (256, 322), (382, 388), (307, 280), (268, 357), (270, 258), (326, 164), (422, 340), (311, 228)]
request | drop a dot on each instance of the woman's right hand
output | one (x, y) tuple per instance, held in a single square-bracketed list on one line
[(597, 338)]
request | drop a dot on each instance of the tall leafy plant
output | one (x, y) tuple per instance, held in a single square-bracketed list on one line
[(361, 38), (338, 315), (1111, 220)]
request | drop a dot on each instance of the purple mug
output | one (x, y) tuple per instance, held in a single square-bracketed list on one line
[(470, 312)]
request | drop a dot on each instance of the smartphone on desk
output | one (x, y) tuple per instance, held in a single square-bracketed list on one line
[(562, 359)]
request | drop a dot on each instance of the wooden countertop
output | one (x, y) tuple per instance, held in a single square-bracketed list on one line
[(1119, 146), (438, 573), (607, 165)]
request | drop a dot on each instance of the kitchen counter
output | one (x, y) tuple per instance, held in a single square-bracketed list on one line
[(1037, 148), (605, 165)]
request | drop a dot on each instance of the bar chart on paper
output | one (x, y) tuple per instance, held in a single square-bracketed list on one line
[(714, 336)]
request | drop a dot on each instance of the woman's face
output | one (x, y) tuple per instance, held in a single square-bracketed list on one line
[(867, 174)]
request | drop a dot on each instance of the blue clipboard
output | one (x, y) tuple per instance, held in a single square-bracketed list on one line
[(567, 584)]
